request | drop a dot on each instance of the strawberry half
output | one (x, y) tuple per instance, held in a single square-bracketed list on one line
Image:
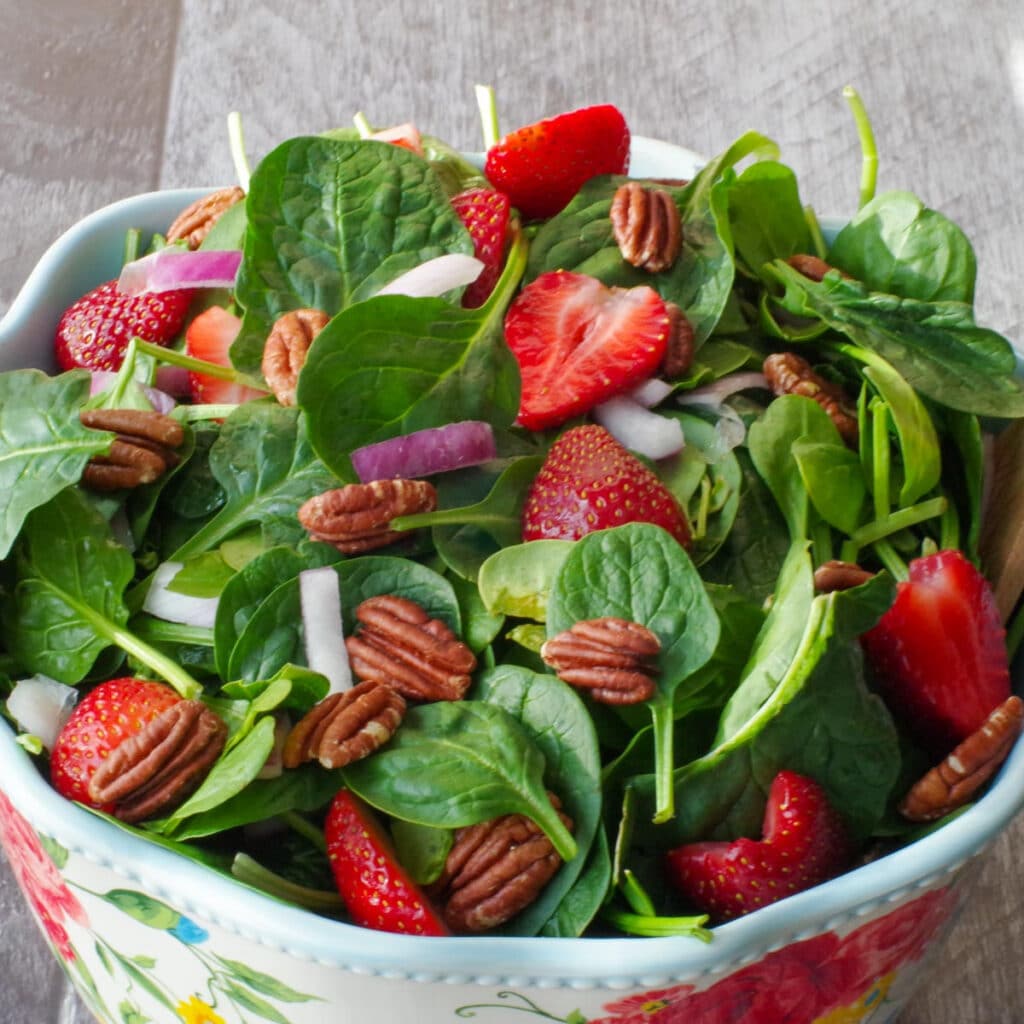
[(376, 889), (579, 343), (542, 166), (485, 213), (940, 651), (102, 720), (209, 338), (591, 482), (95, 331), (804, 843)]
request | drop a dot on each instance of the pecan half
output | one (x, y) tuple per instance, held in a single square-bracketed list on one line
[(140, 453), (813, 267), (612, 658), (159, 767), (495, 870), (646, 226), (284, 353), (193, 224), (345, 727), (679, 350), (790, 374), (357, 517), (400, 645), (952, 783), (835, 575)]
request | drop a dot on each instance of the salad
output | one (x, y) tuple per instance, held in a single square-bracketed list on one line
[(515, 547)]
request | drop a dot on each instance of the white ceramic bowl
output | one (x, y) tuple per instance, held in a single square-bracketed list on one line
[(135, 925)]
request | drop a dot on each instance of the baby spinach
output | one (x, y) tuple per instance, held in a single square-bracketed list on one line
[(639, 572), (394, 364), (517, 580), (456, 763), (557, 721), (43, 445), (332, 221)]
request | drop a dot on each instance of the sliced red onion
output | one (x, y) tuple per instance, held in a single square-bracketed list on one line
[(173, 380), (322, 627), (718, 391), (639, 429), (103, 380), (41, 706), (435, 277), (171, 268), (425, 452), (170, 606), (651, 393)]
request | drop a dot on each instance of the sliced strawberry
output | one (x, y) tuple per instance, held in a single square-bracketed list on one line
[(579, 343), (405, 135), (102, 720), (375, 887), (542, 166), (940, 652), (209, 338), (485, 213), (590, 482), (804, 842), (95, 331)]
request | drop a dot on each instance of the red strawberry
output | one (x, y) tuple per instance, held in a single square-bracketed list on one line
[(590, 482), (542, 166), (579, 343), (209, 337), (405, 135), (375, 887), (95, 331), (485, 214), (940, 651), (106, 716), (805, 842)]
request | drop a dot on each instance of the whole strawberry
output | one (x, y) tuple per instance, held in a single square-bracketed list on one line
[(591, 482), (375, 887), (542, 166), (95, 331), (485, 213), (804, 843), (102, 720), (940, 653)]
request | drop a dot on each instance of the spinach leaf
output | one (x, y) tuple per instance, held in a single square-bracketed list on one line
[(966, 474), (332, 221), (422, 849), (896, 245), (557, 721), (834, 480), (373, 575), (517, 580), (43, 445), (479, 625), (394, 364), (640, 573), (272, 637), (456, 763), (587, 895), (935, 345)]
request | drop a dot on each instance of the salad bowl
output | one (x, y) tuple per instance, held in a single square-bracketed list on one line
[(145, 934)]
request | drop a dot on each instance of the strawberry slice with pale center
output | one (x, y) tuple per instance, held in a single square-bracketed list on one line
[(805, 842), (485, 214), (579, 343), (209, 338)]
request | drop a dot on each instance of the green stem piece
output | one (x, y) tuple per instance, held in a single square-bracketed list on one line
[(636, 895), (880, 457), (891, 560), (363, 126), (817, 238), (664, 791), (175, 358), (132, 243), (652, 926), (236, 140), (297, 823), (488, 114), (901, 519), (869, 151), (252, 873)]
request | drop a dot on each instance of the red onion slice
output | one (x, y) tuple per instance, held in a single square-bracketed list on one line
[(323, 636), (41, 706), (639, 429), (425, 452), (435, 277), (173, 607), (172, 268), (718, 391), (103, 380)]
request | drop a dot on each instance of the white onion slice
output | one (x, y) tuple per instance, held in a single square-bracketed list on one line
[(639, 429), (173, 607), (425, 452), (171, 268), (322, 627), (103, 380), (731, 429), (41, 706), (651, 393), (435, 277), (718, 391), (273, 767)]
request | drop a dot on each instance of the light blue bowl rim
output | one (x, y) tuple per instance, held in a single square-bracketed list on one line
[(616, 963)]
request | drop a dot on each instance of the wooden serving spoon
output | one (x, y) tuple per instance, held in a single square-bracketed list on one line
[(1002, 536)]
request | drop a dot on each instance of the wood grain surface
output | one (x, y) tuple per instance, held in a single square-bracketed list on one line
[(105, 98)]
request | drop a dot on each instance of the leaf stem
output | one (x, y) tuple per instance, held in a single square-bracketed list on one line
[(175, 358), (814, 227), (251, 872), (880, 457), (362, 124), (488, 114), (297, 823), (901, 519), (236, 141), (891, 560), (664, 756), (654, 926), (869, 151), (132, 241)]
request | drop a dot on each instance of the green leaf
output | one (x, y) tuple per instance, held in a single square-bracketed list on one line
[(144, 908), (834, 480), (517, 580), (263, 983)]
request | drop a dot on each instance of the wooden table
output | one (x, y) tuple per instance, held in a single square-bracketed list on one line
[(104, 98)]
